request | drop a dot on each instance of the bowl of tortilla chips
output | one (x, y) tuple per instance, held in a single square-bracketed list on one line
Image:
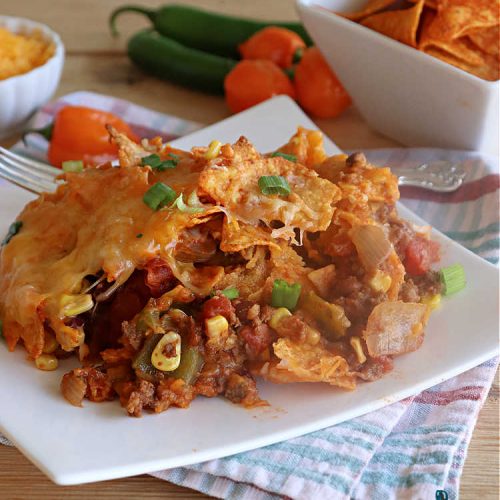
[(424, 72)]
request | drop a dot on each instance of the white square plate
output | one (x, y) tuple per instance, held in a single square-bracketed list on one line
[(74, 445)]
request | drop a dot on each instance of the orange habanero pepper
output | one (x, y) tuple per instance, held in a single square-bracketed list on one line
[(254, 81), (79, 133), (319, 91), (273, 43)]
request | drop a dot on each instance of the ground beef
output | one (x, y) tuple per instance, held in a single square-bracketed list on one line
[(428, 284), (173, 392), (99, 386), (409, 292), (241, 389), (86, 382), (256, 338), (400, 235), (375, 368), (135, 396)]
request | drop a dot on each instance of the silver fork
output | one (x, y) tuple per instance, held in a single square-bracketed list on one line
[(32, 175), (37, 177)]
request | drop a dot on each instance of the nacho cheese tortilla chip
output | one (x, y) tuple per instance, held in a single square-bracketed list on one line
[(455, 17), (460, 48), (487, 40), (400, 25), (371, 7), (488, 71), (235, 187)]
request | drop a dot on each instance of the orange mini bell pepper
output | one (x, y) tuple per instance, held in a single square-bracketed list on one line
[(79, 133)]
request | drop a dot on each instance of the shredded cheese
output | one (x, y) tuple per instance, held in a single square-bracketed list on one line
[(20, 53)]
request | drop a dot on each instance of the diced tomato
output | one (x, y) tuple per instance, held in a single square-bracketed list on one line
[(419, 255), (218, 305), (257, 338), (159, 277)]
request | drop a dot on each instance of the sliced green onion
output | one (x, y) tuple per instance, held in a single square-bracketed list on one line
[(151, 160), (175, 157), (193, 200), (158, 196), (165, 165), (72, 166), (453, 279), (274, 184), (13, 230), (231, 293), (285, 295), (156, 163), (284, 155), (139, 235), (179, 203)]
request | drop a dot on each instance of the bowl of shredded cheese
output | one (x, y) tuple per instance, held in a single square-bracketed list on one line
[(31, 62)]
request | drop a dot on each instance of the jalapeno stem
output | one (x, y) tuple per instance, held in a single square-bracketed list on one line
[(150, 13)]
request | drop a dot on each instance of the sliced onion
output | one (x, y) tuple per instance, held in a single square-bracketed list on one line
[(372, 245), (124, 276), (73, 387), (395, 328)]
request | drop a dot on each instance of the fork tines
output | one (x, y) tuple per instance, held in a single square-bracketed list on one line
[(32, 175)]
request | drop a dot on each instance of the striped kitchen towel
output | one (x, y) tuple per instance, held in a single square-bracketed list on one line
[(409, 449)]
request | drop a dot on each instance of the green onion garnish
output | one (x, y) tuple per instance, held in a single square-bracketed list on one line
[(285, 295), (284, 155), (13, 230), (139, 235), (156, 163), (72, 166), (453, 279), (158, 196), (274, 184), (179, 203), (231, 293)]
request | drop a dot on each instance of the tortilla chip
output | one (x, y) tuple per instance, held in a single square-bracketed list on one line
[(237, 236), (235, 187), (456, 17), (431, 4), (400, 25), (307, 363), (487, 40), (487, 71), (371, 7), (460, 48), (307, 146)]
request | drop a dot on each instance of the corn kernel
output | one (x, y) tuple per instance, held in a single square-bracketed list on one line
[(217, 327), (46, 362), (213, 150), (50, 343), (72, 305), (164, 363), (312, 336), (277, 316), (380, 281), (358, 349), (433, 301)]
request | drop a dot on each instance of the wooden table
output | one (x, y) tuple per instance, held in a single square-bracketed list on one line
[(97, 62)]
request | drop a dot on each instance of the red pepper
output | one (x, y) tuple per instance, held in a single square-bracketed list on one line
[(79, 133)]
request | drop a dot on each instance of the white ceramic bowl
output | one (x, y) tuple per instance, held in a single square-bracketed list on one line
[(22, 95), (400, 91)]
